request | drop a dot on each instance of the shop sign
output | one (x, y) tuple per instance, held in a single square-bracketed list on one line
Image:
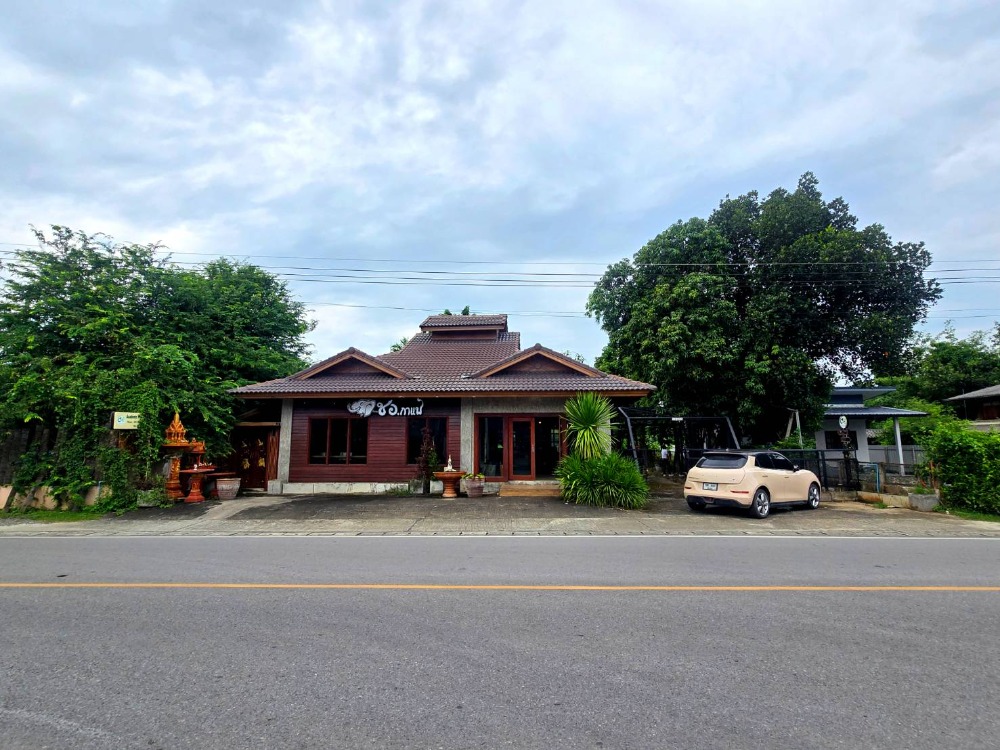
[(125, 420), (369, 407)]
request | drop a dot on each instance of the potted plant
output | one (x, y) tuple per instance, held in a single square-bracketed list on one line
[(474, 484)]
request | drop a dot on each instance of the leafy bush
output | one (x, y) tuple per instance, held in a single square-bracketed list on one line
[(89, 327), (966, 465), (610, 481)]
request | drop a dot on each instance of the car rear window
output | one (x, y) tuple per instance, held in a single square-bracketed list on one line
[(719, 461)]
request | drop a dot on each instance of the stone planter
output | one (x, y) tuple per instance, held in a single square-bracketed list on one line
[(923, 501), (227, 487), (474, 487)]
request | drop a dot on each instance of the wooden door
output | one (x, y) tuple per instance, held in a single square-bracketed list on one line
[(522, 448)]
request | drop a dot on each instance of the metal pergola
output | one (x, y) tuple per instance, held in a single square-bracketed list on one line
[(690, 436)]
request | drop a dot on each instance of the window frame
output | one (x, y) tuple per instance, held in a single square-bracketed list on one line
[(424, 420), (350, 423)]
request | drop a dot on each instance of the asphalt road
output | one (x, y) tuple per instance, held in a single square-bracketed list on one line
[(368, 642)]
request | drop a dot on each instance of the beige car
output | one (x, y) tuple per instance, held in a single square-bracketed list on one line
[(754, 480)]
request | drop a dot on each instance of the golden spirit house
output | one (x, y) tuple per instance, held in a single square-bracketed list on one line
[(354, 422)]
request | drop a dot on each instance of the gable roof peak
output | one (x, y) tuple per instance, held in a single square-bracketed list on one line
[(351, 353)]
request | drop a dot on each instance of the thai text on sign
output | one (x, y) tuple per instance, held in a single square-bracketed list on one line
[(368, 407)]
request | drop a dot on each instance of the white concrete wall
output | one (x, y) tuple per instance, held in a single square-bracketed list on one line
[(860, 426)]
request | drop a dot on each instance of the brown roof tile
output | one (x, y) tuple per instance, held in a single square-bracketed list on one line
[(426, 356), (431, 364), (498, 322)]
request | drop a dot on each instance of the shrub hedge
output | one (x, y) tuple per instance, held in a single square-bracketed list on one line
[(966, 466), (609, 480)]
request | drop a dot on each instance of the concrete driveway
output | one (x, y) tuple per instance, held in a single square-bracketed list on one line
[(418, 515)]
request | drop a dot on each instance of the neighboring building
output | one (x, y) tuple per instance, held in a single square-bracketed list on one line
[(354, 422), (981, 407), (845, 424)]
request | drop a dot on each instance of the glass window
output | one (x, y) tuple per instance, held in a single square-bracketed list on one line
[(359, 441), (318, 440), (415, 437), (722, 461), (763, 461), (338, 441), (834, 440), (780, 462), (491, 446)]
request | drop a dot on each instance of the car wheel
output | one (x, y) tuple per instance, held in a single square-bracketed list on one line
[(695, 505), (812, 500), (761, 504)]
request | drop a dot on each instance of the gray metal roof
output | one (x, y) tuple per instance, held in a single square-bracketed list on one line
[(870, 412), (993, 390)]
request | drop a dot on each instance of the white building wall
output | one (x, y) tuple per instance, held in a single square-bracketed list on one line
[(859, 426)]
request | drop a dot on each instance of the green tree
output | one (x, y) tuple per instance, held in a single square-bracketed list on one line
[(943, 366), (89, 326), (757, 309)]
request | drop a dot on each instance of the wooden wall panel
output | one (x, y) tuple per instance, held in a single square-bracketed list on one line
[(386, 444)]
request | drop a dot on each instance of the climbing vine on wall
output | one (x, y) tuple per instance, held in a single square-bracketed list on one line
[(89, 326)]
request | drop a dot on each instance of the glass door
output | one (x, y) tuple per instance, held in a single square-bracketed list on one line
[(522, 452), (490, 449)]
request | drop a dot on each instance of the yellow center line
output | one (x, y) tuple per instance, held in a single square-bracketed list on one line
[(479, 587)]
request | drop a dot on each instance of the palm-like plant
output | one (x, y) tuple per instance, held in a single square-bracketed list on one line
[(589, 424)]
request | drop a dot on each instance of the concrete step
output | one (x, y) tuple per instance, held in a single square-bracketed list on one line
[(530, 489)]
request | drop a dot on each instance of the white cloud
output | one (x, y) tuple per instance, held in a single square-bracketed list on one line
[(571, 130)]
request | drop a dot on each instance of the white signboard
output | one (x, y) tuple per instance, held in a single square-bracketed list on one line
[(842, 422), (369, 407), (125, 420)]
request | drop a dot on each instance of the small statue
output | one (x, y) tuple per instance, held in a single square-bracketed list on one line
[(449, 467)]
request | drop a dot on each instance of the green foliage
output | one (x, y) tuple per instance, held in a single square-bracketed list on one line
[(89, 326), (589, 418), (940, 367), (966, 465), (398, 346), (791, 443), (757, 309), (912, 430), (608, 480)]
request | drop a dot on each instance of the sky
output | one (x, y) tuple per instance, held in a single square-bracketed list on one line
[(390, 160)]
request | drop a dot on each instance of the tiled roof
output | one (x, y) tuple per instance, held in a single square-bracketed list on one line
[(426, 356), (450, 362), (525, 383), (465, 321), (536, 349)]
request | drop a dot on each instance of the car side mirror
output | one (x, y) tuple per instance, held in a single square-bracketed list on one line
[(795, 467)]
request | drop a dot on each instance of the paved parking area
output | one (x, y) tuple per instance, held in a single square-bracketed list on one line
[(418, 515)]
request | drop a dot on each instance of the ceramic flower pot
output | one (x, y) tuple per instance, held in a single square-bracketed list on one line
[(227, 487)]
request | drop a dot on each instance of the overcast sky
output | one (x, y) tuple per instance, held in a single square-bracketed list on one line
[(493, 139)]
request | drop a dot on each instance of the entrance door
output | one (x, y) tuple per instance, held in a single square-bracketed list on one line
[(522, 453), (548, 446), (251, 456)]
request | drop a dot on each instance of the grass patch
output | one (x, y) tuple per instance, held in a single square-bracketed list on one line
[(969, 515), (879, 505), (41, 515)]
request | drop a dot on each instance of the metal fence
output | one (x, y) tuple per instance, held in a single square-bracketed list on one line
[(888, 457), (836, 469)]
